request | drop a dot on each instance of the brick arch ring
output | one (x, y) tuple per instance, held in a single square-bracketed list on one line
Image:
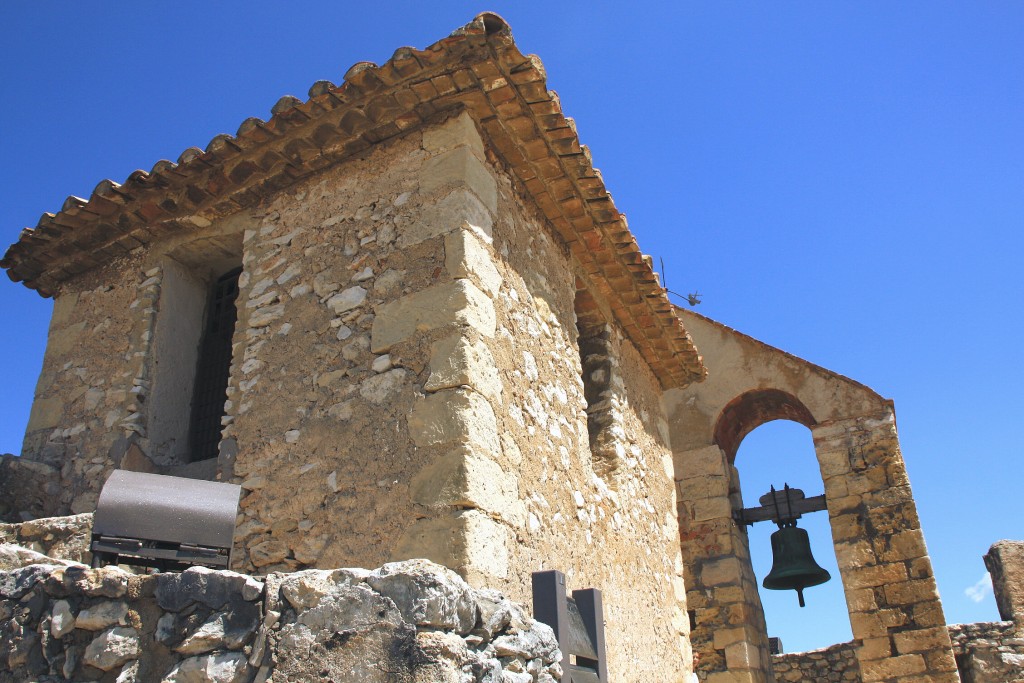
[(750, 410)]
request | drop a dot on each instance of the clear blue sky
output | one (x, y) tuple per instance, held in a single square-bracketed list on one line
[(843, 180)]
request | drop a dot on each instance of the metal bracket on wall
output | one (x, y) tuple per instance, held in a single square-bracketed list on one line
[(784, 506)]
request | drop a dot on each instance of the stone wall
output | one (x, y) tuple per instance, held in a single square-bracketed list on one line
[(994, 651), (988, 651), (84, 394), (895, 612), (28, 489), (985, 652), (405, 622), (405, 382), (1005, 562), (319, 407), (833, 664), (606, 520), (66, 538)]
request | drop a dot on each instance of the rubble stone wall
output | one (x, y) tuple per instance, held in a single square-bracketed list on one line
[(65, 538), (405, 382), (833, 664), (28, 489), (606, 521), (988, 651), (412, 622), (318, 415), (985, 652), (84, 394)]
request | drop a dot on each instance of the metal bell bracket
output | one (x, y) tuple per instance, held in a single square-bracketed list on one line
[(782, 507)]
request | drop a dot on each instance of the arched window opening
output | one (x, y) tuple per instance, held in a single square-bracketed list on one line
[(774, 454)]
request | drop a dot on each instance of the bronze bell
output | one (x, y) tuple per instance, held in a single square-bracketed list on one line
[(793, 566)]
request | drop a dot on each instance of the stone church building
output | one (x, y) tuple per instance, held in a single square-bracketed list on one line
[(437, 338)]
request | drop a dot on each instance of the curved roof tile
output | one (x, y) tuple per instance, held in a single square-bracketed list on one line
[(477, 68)]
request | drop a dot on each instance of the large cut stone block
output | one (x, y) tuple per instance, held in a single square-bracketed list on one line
[(46, 414), (1005, 562), (922, 640), (892, 667), (467, 479), (455, 132), (703, 487), (700, 462), (457, 362), (465, 255), (460, 168), (878, 575), (458, 210), (64, 340), (453, 418), (458, 303), (721, 572), (467, 541), (63, 307)]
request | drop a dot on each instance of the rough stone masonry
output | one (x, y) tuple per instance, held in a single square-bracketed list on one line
[(438, 340), (410, 622)]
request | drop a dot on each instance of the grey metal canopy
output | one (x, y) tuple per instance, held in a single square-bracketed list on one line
[(166, 522)]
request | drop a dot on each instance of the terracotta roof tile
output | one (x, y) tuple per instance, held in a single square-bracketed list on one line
[(477, 68)]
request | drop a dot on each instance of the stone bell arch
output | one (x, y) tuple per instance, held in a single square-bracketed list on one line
[(896, 616)]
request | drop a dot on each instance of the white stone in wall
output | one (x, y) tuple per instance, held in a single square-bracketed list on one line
[(355, 348), (530, 366), (341, 411), (264, 316), (102, 615), (227, 667), (62, 621), (324, 288), (346, 300), (380, 388), (113, 648), (286, 240), (388, 281)]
